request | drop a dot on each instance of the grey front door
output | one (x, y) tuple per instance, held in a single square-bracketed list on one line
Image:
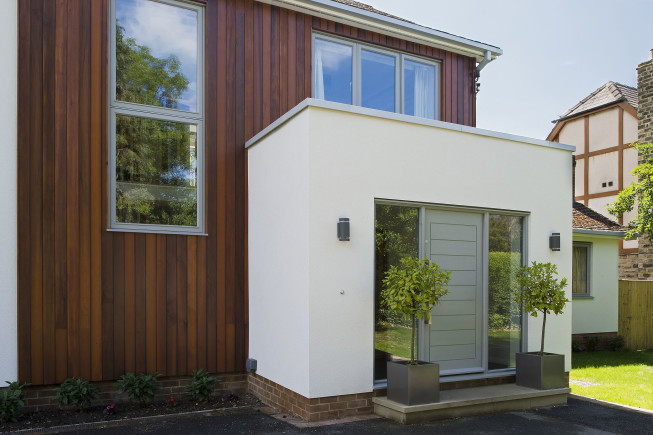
[(454, 240)]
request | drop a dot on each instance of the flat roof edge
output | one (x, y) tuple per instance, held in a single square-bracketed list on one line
[(322, 104), (384, 24)]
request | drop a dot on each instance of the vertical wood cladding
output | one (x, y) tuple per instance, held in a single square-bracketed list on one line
[(95, 303)]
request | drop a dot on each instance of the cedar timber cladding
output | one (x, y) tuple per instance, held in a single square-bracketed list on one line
[(95, 303)]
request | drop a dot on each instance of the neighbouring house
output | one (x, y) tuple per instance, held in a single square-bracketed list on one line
[(595, 276), (176, 172), (602, 127)]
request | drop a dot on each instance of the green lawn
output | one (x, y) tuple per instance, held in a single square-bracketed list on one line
[(394, 339), (621, 377)]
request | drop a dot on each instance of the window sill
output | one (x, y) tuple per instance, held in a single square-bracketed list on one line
[(582, 297), (146, 231)]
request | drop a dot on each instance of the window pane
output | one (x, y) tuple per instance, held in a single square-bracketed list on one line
[(332, 71), (156, 171), (397, 234), (504, 314), (419, 89), (377, 81), (156, 54), (579, 272)]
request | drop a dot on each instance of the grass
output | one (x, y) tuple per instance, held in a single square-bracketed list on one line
[(622, 377), (393, 339)]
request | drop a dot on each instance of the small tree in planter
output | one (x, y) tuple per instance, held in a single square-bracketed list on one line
[(539, 291), (412, 289)]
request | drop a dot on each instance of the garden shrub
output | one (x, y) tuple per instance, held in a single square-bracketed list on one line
[(593, 343), (576, 346), (502, 313), (76, 392), (617, 343), (201, 386), (11, 399), (140, 389)]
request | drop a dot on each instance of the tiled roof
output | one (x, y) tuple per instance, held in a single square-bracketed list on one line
[(609, 93), (584, 218), (369, 8)]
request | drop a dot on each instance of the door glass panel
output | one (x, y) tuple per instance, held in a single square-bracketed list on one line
[(156, 54), (504, 314), (332, 71), (397, 233), (156, 171), (377, 81), (419, 89)]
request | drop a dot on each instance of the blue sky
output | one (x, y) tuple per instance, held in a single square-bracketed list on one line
[(555, 52)]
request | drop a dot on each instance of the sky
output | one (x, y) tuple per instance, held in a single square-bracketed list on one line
[(555, 52)]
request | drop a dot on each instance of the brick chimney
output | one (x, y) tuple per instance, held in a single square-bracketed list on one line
[(645, 100)]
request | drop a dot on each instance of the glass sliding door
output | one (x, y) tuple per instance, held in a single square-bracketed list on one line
[(397, 236), (505, 257)]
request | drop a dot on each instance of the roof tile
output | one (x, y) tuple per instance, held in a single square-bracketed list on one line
[(611, 92), (585, 218)]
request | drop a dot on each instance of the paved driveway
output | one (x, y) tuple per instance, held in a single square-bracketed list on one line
[(578, 417)]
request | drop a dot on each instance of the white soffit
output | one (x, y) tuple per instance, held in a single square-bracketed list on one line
[(389, 26)]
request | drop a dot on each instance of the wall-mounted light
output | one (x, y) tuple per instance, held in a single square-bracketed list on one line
[(343, 229), (554, 241)]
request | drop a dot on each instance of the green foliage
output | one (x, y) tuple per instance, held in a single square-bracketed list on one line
[(576, 346), (396, 238), (141, 389), (201, 386), (638, 195), (617, 343), (593, 343), (540, 292), (413, 288), (76, 392), (11, 399), (502, 314)]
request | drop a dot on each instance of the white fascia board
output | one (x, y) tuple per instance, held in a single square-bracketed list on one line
[(323, 104), (389, 26), (606, 234)]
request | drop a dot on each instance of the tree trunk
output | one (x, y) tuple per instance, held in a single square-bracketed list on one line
[(412, 341), (543, 326)]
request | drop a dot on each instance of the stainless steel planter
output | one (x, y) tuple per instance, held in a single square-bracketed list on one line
[(543, 372), (413, 384)]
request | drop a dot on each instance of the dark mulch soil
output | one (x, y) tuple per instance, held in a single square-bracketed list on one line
[(56, 417)]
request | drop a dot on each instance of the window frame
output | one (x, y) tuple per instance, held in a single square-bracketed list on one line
[(588, 271), (400, 57), (117, 107)]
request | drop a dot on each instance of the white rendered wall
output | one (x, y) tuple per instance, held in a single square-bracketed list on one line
[(278, 234), (8, 194), (353, 160), (630, 128), (599, 313), (603, 169), (573, 133)]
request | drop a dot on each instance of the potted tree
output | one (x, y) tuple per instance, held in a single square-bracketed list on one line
[(539, 291), (411, 290)]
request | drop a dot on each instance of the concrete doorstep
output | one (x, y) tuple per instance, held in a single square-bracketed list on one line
[(472, 401)]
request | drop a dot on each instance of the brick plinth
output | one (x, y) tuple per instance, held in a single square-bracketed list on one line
[(44, 397), (604, 341), (315, 409)]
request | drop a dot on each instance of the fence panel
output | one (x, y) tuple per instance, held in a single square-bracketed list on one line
[(636, 313)]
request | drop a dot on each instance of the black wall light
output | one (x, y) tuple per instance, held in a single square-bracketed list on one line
[(343, 229), (554, 241)]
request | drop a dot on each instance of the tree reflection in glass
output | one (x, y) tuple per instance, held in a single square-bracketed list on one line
[(156, 173)]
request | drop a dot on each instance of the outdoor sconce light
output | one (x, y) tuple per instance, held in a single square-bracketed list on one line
[(554, 241), (343, 229)]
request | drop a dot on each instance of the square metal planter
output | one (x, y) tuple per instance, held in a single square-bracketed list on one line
[(413, 384), (543, 372)]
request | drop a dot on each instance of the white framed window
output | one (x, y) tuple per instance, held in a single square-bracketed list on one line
[(349, 72), (581, 267), (156, 116)]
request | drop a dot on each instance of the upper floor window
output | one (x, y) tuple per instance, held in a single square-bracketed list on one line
[(364, 75), (156, 116)]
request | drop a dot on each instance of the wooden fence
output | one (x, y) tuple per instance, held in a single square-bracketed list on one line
[(636, 313)]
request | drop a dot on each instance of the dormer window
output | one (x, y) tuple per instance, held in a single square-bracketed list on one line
[(364, 75)]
